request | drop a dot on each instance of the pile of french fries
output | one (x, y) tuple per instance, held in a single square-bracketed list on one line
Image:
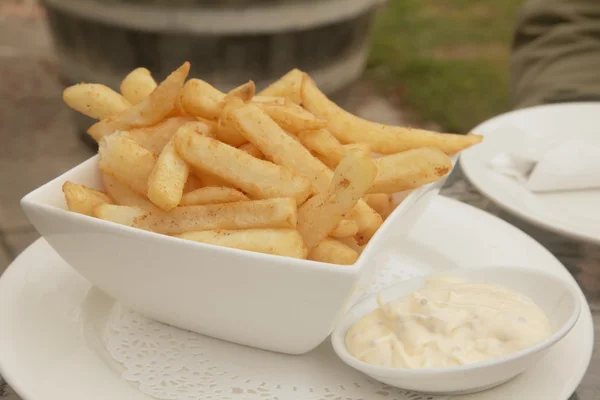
[(284, 171)]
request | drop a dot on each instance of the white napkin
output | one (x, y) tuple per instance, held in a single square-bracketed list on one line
[(569, 164)]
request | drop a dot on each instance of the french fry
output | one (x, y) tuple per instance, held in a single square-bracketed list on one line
[(277, 145), (168, 178), (225, 134), (209, 180), (333, 252), (138, 85), (82, 199), (323, 212), (127, 161), (325, 144), (410, 169), (123, 215), (202, 99), (244, 92), (361, 146), (269, 99), (171, 172), (270, 213), (383, 139), (95, 100), (281, 242), (178, 110), (154, 108), (212, 195), (192, 184), (252, 150), (380, 202), (368, 221), (155, 137), (352, 243), (284, 150), (125, 196), (291, 117), (324, 160), (289, 85), (346, 228), (261, 179)]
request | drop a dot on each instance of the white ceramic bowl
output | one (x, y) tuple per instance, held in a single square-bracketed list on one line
[(270, 302), (557, 298)]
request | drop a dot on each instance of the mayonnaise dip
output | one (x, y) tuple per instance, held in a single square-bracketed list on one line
[(449, 322)]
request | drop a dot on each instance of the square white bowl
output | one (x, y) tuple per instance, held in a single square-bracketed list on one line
[(269, 302)]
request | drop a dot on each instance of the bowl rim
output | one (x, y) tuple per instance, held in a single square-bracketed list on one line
[(339, 333), (34, 199)]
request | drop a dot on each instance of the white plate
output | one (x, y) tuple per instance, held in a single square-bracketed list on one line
[(575, 213), (53, 323)]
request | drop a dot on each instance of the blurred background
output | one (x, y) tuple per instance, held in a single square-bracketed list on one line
[(441, 64)]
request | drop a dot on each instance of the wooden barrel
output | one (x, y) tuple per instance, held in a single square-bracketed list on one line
[(227, 41)]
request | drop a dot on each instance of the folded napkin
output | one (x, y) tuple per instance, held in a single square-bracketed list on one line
[(560, 165)]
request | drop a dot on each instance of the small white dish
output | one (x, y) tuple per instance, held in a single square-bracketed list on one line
[(269, 302), (557, 298), (572, 213)]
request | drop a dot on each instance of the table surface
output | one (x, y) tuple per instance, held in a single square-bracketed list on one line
[(39, 142)]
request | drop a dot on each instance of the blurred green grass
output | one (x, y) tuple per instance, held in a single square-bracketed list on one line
[(446, 59)]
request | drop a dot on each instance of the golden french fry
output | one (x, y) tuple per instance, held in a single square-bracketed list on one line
[(324, 144), (281, 242), (361, 146), (168, 178), (289, 85), (193, 183), (368, 221), (123, 215), (209, 180), (322, 213), (154, 108), (127, 161), (269, 99), (383, 139), (212, 195), (178, 110), (270, 213), (410, 169), (82, 199), (244, 92), (201, 99), (138, 85), (352, 243), (333, 252), (171, 172), (324, 160), (346, 228), (261, 179), (155, 137), (291, 117), (125, 196), (252, 150), (277, 145), (380, 202), (286, 150), (95, 100), (225, 134)]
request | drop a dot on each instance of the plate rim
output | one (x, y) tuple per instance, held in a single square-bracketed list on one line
[(467, 168), (20, 387)]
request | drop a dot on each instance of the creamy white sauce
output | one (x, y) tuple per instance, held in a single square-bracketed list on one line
[(449, 322)]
